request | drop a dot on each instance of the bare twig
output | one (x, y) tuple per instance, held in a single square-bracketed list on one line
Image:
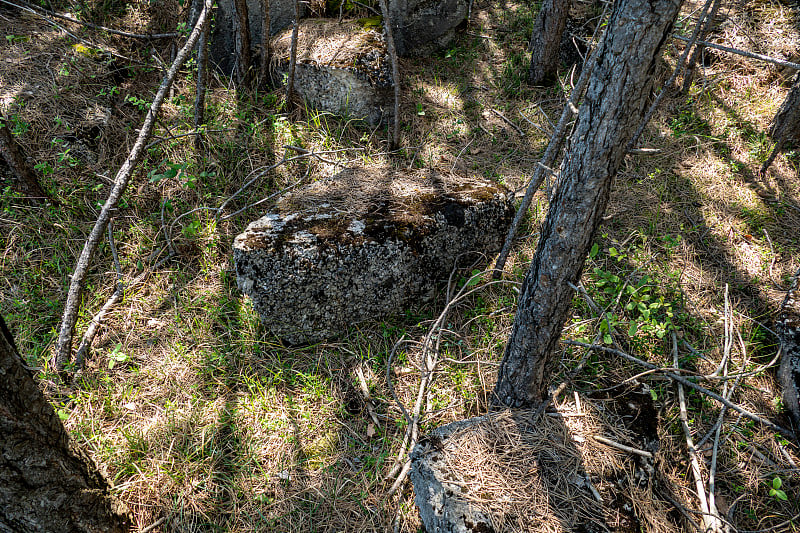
[(624, 448), (695, 463), (508, 121), (680, 379), (293, 55), (202, 81), (62, 353), (698, 50), (668, 85), (44, 13), (745, 53)]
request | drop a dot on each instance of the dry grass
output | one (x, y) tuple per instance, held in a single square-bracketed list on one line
[(199, 417)]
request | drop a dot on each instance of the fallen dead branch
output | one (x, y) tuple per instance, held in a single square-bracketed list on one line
[(387, 25), (63, 349), (45, 13), (680, 379)]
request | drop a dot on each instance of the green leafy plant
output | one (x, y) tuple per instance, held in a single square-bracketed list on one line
[(117, 356), (776, 491)]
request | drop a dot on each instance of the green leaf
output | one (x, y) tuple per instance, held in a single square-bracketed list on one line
[(632, 329), (653, 395), (607, 338), (475, 278), (613, 252), (593, 253), (777, 483)]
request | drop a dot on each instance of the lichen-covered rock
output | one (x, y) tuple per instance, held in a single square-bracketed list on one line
[(362, 245), (442, 505), (222, 46), (422, 26), (342, 68)]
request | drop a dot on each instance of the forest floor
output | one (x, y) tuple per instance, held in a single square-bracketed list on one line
[(204, 422)]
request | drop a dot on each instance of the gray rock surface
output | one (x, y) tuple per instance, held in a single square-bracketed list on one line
[(341, 68), (222, 46), (439, 498), (422, 26), (362, 245)]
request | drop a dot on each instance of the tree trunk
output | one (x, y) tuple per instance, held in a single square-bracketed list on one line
[(46, 483), (786, 125), (614, 104), (266, 48), (24, 175), (243, 41), (546, 41)]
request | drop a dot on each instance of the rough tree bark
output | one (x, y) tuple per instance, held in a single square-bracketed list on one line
[(614, 104), (24, 176), (546, 41), (786, 124), (47, 484), (243, 42)]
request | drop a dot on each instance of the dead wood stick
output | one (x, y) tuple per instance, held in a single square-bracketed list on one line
[(695, 463), (202, 82), (293, 55), (745, 53), (698, 50), (668, 85), (266, 46), (390, 47), (63, 349), (623, 447), (42, 12), (680, 379), (508, 121)]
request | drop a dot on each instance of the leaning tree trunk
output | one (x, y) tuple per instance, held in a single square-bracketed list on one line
[(546, 41), (786, 125), (614, 104), (47, 484), (24, 176)]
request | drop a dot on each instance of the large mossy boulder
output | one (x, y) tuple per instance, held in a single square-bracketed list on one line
[(423, 26), (363, 245), (342, 68)]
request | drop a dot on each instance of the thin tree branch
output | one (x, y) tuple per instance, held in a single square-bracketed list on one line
[(293, 55), (44, 13), (390, 47), (680, 379), (63, 349), (744, 53), (549, 157)]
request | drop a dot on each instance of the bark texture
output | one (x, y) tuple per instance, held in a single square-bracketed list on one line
[(613, 107), (46, 483), (23, 174), (786, 124), (546, 41), (243, 42)]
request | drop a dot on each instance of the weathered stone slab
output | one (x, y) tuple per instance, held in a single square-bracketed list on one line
[(342, 68), (440, 499), (363, 245), (222, 46), (421, 26)]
